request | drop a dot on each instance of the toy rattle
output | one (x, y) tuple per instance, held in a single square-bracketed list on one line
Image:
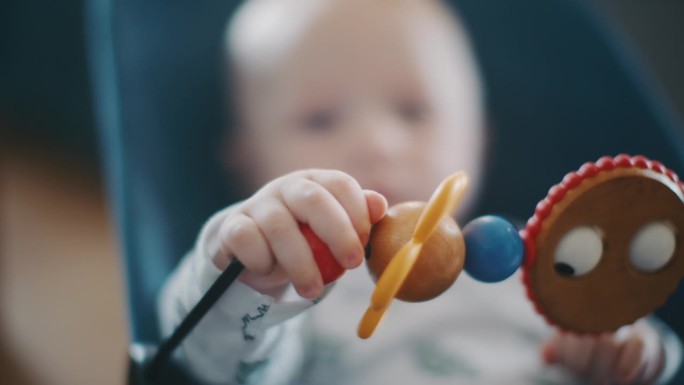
[(601, 250)]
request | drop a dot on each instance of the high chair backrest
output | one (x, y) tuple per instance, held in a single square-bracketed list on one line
[(562, 89)]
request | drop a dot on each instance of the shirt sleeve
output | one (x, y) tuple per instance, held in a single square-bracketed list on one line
[(247, 337)]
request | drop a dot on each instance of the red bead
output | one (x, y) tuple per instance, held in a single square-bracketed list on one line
[(588, 170), (556, 193), (641, 162), (658, 167), (330, 269), (573, 179), (623, 160), (605, 163), (543, 208)]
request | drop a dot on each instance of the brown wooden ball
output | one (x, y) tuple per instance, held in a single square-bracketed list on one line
[(440, 260)]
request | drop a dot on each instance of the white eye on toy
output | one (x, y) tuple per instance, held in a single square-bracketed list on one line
[(578, 252), (652, 247)]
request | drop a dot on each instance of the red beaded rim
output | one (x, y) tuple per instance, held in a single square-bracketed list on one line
[(557, 193)]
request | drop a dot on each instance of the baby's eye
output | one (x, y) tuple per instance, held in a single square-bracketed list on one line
[(323, 119), (652, 247), (578, 252), (413, 112)]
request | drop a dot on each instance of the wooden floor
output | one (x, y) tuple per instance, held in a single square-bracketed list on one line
[(62, 318)]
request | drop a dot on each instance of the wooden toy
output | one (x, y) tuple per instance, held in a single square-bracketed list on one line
[(600, 251), (603, 248), (442, 203), (441, 257)]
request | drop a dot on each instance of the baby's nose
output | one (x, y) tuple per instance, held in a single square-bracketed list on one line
[(382, 139)]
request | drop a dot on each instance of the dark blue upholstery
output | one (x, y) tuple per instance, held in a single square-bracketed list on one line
[(562, 90), (155, 68)]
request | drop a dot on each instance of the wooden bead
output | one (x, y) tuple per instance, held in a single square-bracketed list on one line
[(439, 263)]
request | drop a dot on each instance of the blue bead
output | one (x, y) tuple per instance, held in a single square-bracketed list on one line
[(494, 250)]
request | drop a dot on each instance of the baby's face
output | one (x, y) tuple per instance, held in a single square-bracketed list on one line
[(386, 91)]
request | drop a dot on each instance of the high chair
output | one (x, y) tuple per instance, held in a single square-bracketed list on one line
[(563, 86)]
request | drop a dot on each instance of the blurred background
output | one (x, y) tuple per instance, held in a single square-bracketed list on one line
[(62, 311)]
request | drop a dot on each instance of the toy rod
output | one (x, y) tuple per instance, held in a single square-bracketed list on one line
[(163, 355)]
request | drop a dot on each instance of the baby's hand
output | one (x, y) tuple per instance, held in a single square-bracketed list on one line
[(263, 231), (632, 355)]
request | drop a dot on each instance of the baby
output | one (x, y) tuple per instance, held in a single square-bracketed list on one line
[(344, 107)]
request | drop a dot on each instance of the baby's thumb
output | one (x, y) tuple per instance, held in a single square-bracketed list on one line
[(549, 350), (377, 205)]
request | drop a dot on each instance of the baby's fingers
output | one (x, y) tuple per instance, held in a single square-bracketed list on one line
[(603, 360), (587, 356), (571, 351), (313, 204), (377, 206), (577, 353), (288, 246), (240, 237), (361, 206), (630, 362), (641, 356)]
